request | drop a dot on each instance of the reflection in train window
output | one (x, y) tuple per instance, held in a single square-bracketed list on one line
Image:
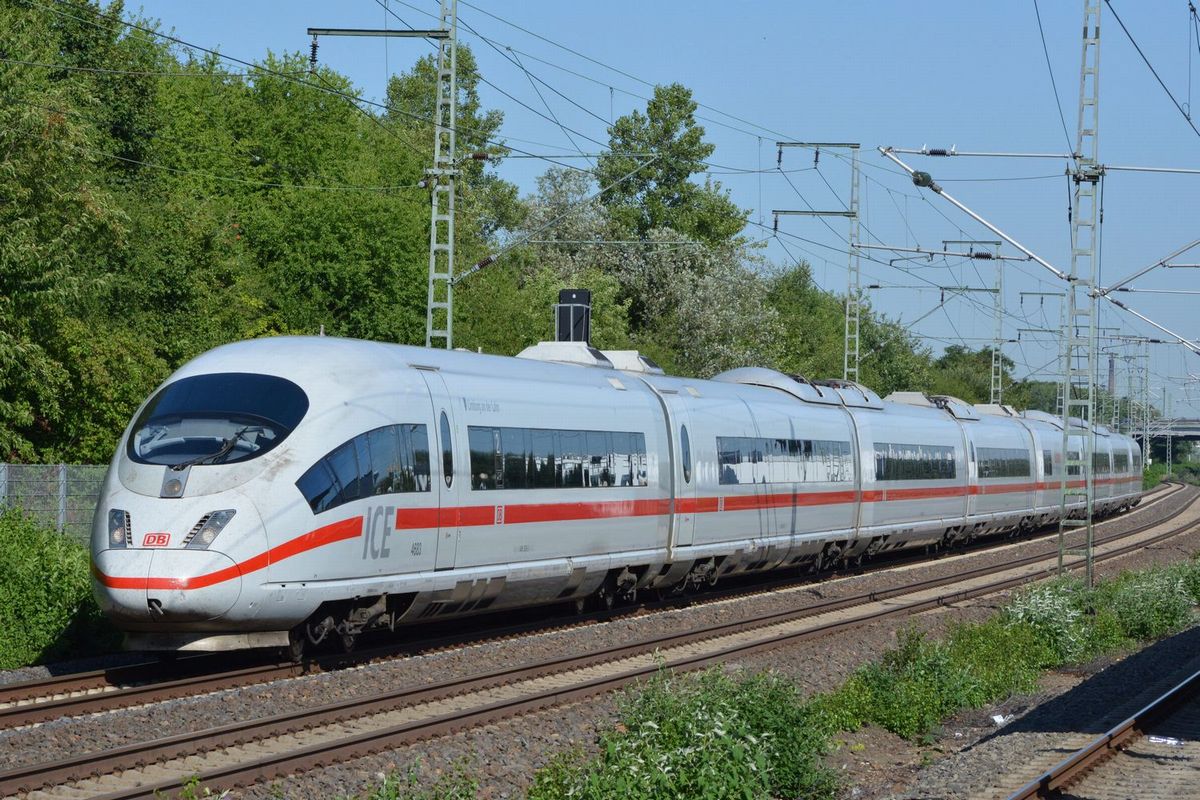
[(1121, 462), (388, 460), (1047, 463), (752, 459), (913, 462), (1004, 462), (540, 458)]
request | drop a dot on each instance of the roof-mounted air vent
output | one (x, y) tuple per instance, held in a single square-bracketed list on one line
[(852, 394), (632, 361), (799, 387), (566, 353), (959, 409)]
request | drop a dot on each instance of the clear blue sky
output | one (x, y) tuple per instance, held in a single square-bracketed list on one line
[(937, 73)]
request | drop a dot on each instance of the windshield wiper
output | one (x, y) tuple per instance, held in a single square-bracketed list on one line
[(225, 449)]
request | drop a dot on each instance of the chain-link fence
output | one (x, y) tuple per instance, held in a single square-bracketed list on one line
[(60, 495)]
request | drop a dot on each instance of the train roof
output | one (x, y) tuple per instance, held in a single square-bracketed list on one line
[(302, 357)]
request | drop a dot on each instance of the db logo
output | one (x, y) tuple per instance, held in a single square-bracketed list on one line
[(156, 540)]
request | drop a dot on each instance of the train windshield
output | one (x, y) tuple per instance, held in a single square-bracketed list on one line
[(216, 419)]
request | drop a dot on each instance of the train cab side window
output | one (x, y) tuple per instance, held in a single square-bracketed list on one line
[(389, 460), (447, 452), (685, 447)]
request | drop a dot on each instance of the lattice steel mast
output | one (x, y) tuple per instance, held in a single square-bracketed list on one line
[(439, 306), (1079, 354)]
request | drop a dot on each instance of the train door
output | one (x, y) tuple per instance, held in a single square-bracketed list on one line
[(684, 472), (445, 483)]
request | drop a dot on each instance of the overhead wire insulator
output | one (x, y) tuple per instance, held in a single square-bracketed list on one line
[(817, 157), (312, 57), (938, 151), (779, 158), (480, 156), (776, 228), (982, 255)]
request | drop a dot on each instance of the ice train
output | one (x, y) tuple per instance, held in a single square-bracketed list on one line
[(293, 489)]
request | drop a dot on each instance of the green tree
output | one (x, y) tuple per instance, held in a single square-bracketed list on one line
[(647, 172)]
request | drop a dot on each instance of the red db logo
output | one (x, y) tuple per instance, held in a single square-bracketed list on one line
[(156, 540)]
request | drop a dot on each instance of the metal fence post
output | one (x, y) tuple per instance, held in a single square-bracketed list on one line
[(3, 487), (62, 497)]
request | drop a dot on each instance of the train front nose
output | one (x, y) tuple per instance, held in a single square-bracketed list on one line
[(178, 564)]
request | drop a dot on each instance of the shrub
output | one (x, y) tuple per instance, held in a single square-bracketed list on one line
[(700, 736), (46, 605), (1055, 612), (1149, 605), (1002, 659)]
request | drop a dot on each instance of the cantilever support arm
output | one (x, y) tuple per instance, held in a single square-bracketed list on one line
[(887, 151), (930, 184), (1162, 262)]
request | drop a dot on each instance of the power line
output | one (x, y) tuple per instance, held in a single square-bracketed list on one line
[(1053, 85), (1153, 71)]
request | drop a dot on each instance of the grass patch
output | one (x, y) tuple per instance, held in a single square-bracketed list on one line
[(46, 607), (704, 735)]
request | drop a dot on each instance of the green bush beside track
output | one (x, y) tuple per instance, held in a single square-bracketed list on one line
[(46, 607)]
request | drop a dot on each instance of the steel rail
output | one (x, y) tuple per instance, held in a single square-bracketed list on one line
[(131, 756), (1053, 781), (37, 701)]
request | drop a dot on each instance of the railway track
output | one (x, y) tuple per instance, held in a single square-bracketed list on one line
[(1155, 753), (245, 752), (42, 700)]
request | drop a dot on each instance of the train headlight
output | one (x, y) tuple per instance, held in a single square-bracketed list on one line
[(118, 528), (206, 530)]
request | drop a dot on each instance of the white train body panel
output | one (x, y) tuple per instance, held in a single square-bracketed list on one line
[(384, 479)]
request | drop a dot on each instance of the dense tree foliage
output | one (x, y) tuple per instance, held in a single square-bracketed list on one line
[(156, 203)]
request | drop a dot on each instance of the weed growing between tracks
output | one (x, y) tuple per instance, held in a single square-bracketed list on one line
[(46, 605)]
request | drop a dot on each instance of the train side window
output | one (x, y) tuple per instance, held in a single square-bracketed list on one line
[(483, 457), (344, 463), (1047, 463), (622, 458), (638, 451), (387, 465), (543, 460), (597, 461), (514, 445), (419, 444), (319, 487), (570, 455), (447, 452), (685, 448)]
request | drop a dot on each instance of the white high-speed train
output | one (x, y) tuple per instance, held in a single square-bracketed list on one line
[(290, 489)]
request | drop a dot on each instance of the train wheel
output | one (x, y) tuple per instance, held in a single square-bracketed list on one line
[(296, 645), (348, 642)]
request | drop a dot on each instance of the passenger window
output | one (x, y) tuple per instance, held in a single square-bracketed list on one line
[(514, 445), (419, 442), (387, 460), (386, 463), (318, 487), (685, 448), (483, 458), (344, 464), (541, 471), (570, 455), (447, 452)]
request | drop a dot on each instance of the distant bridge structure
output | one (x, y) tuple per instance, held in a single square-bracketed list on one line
[(1176, 428)]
